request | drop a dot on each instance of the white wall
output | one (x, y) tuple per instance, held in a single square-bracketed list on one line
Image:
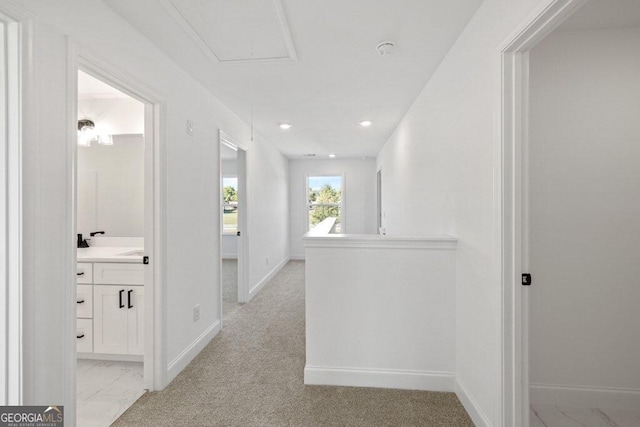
[(359, 198), (111, 187), (584, 214), (380, 312), (192, 186), (229, 168), (440, 172)]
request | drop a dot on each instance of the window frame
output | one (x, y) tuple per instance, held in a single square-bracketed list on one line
[(341, 205)]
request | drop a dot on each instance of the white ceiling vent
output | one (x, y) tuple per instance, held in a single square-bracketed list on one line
[(384, 48)]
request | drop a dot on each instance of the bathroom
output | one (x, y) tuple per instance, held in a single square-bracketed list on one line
[(110, 230)]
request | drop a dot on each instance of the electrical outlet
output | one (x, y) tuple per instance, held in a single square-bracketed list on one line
[(196, 313), (267, 260), (189, 127)]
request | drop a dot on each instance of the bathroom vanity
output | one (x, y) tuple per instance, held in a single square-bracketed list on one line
[(110, 303)]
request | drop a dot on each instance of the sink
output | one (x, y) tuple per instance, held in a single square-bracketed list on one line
[(137, 252)]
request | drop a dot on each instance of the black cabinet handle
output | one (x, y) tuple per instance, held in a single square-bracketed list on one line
[(120, 297), (129, 298), (80, 273), (80, 302), (80, 336)]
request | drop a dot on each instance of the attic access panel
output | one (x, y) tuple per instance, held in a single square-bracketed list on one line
[(236, 30)]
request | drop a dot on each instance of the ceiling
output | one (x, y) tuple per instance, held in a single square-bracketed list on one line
[(602, 14), (227, 153), (315, 63), (92, 88)]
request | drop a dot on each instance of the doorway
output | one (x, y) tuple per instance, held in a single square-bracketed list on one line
[(110, 234), (233, 225), (569, 188)]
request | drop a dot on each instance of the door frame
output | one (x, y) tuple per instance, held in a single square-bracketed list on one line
[(80, 58), (379, 200), (17, 103), (513, 203), (243, 225)]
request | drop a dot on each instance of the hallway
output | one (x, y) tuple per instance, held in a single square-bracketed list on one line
[(251, 374)]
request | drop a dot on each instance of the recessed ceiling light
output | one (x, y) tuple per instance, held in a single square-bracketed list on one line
[(332, 155), (285, 125), (365, 123)]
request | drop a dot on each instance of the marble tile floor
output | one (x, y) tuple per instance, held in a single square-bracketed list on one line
[(566, 416), (106, 389)]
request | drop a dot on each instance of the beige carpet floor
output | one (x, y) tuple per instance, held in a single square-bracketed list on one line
[(251, 375), (229, 287)]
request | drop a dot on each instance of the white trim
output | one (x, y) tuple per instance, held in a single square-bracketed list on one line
[(188, 354), (186, 26), (265, 279), (296, 258), (474, 410), (379, 241), (15, 77), (508, 184), (626, 399), (114, 357), (380, 378)]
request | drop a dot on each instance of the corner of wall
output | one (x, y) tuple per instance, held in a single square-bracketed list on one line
[(471, 406), (188, 354)]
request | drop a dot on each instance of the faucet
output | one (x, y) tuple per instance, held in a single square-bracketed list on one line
[(93, 233), (81, 242)]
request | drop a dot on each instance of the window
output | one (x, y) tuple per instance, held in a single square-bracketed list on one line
[(324, 200), (229, 204)]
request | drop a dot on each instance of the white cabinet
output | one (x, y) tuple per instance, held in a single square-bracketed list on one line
[(84, 272), (84, 302), (84, 335), (110, 308), (118, 319), (114, 273), (135, 321)]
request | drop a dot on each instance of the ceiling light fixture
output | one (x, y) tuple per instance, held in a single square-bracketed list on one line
[(365, 123), (88, 133), (332, 155), (285, 126), (384, 48)]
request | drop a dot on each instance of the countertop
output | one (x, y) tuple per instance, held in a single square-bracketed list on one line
[(110, 254)]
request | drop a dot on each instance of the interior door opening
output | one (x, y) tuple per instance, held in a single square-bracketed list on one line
[(113, 208), (233, 229), (569, 188), (581, 207)]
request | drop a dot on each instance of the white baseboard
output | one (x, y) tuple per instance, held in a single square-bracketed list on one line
[(471, 406), (229, 256), (188, 354), (297, 258), (380, 378), (588, 397), (266, 278), (111, 357)]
